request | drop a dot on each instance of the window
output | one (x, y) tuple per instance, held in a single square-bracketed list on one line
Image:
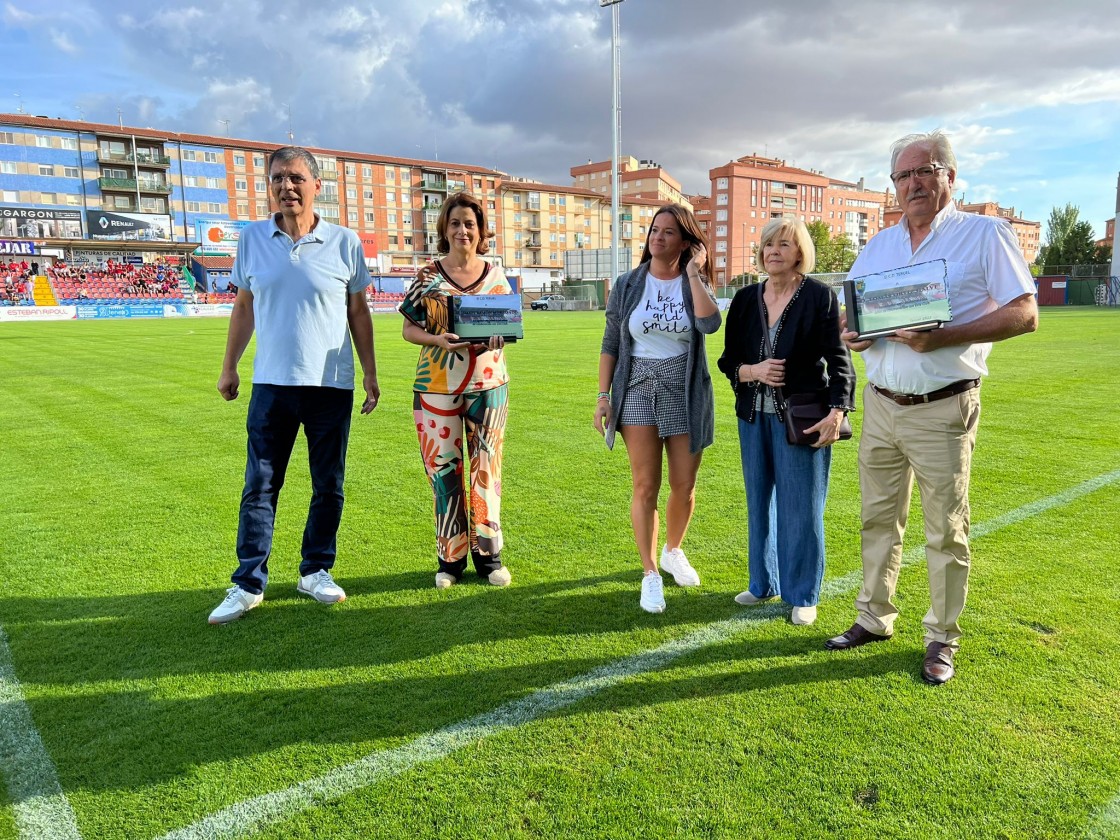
[(151, 205), (552, 237), (721, 230), (369, 218), (489, 205), (721, 215), (352, 216), (8, 167), (721, 245), (46, 169), (406, 177), (367, 172), (74, 199), (258, 161), (210, 157), (240, 184), (243, 208), (390, 196), (563, 201), (238, 160), (214, 183), (122, 202), (391, 174), (213, 207), (68, 142), (71, 172), (47, 198), (43, 142), (262, 209), (351, 194), (193, 207), (392, 219), (260, 185), (7, 137), (367, 195), (11, 196), (721, 183), (721, 198), (351, 170), (406, 197)]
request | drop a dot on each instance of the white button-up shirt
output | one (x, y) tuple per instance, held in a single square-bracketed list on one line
[(986, 270)]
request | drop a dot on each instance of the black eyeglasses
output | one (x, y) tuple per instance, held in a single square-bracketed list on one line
[(903, 175)]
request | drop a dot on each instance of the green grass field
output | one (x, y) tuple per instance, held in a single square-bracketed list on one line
[(119, 482)]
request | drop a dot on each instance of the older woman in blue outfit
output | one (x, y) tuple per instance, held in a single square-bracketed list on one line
[(654, 386), (786, 484)]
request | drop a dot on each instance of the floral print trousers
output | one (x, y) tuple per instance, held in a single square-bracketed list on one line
[(443, 421)]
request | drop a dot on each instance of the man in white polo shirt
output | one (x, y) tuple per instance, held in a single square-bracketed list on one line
[(922, 401), (301, 286)]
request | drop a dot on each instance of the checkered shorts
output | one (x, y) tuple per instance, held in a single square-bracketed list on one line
[(655, 395)]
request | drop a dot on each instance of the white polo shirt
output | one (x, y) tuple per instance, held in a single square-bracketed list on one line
[(986, 270)]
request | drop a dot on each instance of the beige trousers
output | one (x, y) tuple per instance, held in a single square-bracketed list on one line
[(932, 442)]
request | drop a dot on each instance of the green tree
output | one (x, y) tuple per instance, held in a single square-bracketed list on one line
[(1069, 241), (834, 253)]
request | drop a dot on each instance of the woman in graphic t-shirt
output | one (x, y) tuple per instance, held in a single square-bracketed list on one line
[(654, 386), (460, 396)]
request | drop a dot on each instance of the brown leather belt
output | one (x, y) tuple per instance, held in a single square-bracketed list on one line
[(932, 396)]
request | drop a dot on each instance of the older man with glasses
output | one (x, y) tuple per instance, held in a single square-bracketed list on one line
[(301, 286), (922, 400)]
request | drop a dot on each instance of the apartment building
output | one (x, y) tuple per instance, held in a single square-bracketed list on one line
[(639, 179), (538, 222), (750, 191), (64, 179), (1027, 232)]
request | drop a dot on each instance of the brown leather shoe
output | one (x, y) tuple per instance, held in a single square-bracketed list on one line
[(937, 667), (854, 637)]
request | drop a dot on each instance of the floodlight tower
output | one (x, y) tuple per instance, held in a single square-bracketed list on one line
[(616, 128)]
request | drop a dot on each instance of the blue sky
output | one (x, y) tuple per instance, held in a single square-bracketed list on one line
[(1028, 92)]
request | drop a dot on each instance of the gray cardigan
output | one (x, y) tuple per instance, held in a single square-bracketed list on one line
[(627, 293)]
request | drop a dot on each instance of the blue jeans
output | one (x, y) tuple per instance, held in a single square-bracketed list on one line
[(786, 490), (275, 415)]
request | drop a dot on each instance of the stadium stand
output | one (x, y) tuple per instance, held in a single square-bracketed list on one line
[(115, 283), (16, 284)]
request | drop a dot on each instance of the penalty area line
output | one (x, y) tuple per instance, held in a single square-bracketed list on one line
[(249, 816)]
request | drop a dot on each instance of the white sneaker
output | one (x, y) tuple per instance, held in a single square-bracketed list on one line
[(236, 603), (321, 587), (748, 599), (803, 615), (653, 593), (675, 563), (444, 580), (500, 577)]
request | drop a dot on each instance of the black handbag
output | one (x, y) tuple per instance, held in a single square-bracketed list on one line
[(801, 411)]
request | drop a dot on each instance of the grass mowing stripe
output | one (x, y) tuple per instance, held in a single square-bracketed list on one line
[(1107, 824), (247, 817), (42, 810)]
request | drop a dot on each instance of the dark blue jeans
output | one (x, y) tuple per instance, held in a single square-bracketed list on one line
[(786, 490), (275, 414)]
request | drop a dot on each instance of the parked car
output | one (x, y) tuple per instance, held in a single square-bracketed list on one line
[(544, 302)]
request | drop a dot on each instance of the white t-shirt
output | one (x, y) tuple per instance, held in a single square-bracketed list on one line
[(986, 270), (659, 325)]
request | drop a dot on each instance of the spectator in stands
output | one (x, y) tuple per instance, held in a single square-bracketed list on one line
[(302, 283), (655, 389), (460, 396)]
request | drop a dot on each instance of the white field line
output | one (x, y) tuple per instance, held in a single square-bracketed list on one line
[(247, 817), (1107, 824), (42, 810)]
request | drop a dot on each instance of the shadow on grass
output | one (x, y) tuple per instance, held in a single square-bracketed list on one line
[(258, 685)]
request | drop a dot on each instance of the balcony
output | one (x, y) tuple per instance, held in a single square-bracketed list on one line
[(533, 224), (325, 198), (437, 184), (131, 185), (328, 174), (141, 159), (531, 244)]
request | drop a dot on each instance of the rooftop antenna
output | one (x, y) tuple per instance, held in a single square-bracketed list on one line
[(226, 124), (120, 118), (19, 103), (81, 112), (291, 134)]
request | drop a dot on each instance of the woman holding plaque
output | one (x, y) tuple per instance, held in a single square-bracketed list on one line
[(654, 386), (460, 396), (786, 484)]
